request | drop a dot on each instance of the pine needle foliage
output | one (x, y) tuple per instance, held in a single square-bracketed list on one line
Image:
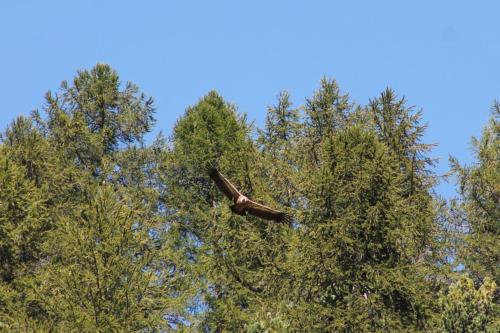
[(83, 210), (467, 309), (102, 232)]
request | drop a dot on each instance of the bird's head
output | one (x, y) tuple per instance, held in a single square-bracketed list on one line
[(242, 199)]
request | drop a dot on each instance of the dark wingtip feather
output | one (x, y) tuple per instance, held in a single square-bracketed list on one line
[(285, 218), (212, 171), (279, 218)]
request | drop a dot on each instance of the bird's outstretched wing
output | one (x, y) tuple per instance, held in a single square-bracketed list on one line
[(268, 213), (252, 207), (224, 184)]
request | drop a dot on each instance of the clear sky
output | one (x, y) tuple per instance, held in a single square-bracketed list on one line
[(443, 56)]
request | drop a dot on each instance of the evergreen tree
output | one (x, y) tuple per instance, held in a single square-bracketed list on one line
[(477, 211), (40, 176), (467, 310), (234, 255), (100, 232), (363, 253), (479, 187), (281, 128), (325, 113), (105, 272), (92, 117), (400, 128), (278, 142), (24, 220), (90, 136), (23, 202), (360, 258)]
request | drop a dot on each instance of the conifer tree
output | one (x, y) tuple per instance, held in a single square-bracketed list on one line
[(39, 177), (278, 142), (465, 309), (362, 251), (281, 128), (105, 272), (234, 255), (94, 117), (325, 112), (400, 128), (100, 232), (480, 191), (478, 208), (360, 241), (23, 202), (208, 135), (24, 219), (90, 135)]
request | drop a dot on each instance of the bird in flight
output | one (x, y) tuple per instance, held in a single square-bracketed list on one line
[(242, 205)]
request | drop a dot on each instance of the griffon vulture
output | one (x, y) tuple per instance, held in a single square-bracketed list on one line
[(242, 204)]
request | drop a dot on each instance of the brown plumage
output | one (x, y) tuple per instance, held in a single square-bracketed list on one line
[(242, 204)]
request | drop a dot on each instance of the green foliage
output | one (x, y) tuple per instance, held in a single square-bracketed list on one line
[(82, 239), (361, 253), (106, 273), (29, 191), (267, 323), (23, 218), (282, 126), (479, 187), (93, 117), (466, 309), (226, 250), (100, 232)]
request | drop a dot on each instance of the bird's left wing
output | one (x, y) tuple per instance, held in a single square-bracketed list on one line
[(224, 184)]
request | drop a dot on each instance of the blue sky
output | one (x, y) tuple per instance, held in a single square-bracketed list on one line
[(443, 56)]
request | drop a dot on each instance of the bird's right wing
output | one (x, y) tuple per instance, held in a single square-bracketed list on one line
[(266, 212), (224, 184)]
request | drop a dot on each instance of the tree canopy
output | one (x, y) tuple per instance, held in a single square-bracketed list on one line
[(102, 230)]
